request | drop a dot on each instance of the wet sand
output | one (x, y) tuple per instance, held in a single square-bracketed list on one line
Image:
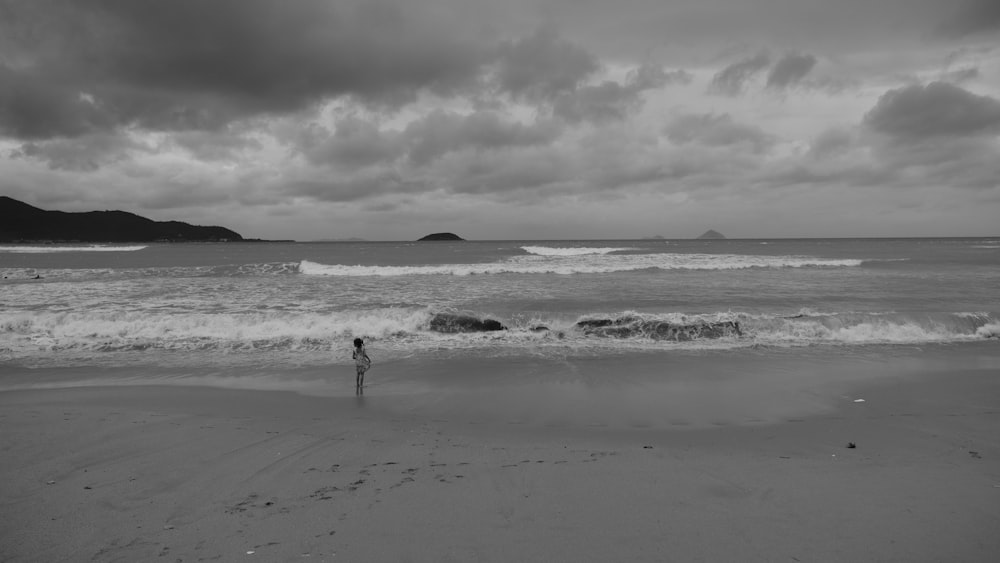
[(452, 472)]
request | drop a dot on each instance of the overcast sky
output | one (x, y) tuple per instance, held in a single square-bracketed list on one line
[(389, 120)]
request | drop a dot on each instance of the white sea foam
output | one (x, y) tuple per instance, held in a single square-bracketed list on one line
[(569, 251), (973, 315), (193, 331), (583, 264), (405, 330), (870, 328), (991, 330), (316, 269), (861, 333), (49, 249)]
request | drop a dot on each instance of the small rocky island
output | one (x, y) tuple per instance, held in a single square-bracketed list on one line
[(441, 236), (20, 222), (710, 234)]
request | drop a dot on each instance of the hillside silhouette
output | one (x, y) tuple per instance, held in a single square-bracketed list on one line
[(20, 222)]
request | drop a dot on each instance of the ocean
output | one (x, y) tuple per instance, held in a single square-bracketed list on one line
[(282, 315)]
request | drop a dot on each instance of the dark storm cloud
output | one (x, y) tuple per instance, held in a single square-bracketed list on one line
[(938, 134), (972, 17), (355, 143), (717, 131), (937, 109), (684, 31), (543, 65), (214, 146), (789, 70), (648, 76), (612, 100), (84, 154), (442, 132), (603, 102), (960, 75), (853, 174), (36, 105), (732, 80), (190, 64), (361, 186), (831, 142), (965, 162), (500, 174)]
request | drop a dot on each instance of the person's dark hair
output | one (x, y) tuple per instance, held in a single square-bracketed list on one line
[(358, 342)]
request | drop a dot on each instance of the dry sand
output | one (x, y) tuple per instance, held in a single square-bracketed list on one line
[(175, 473)]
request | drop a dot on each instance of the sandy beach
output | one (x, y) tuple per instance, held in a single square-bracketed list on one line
[(179, 473)]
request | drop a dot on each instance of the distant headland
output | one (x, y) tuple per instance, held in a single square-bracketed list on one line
[(441, 236), (20, 222)]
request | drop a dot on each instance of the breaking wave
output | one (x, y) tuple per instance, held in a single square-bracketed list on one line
[(569, 251), (590, 263), (316, 269), (991, 330), (595, 261), (30, 249), (409, 329)]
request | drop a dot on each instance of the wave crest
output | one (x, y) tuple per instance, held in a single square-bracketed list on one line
[(50, 249), (569, 251), (583, 264), (407, 329)]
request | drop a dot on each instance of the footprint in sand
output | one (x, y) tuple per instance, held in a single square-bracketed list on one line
[(598, 455), (243, 505), (324, 493), (403, 482)]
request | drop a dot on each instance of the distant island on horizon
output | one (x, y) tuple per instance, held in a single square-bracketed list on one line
[(24, 223), (710, 234), (440, 236)]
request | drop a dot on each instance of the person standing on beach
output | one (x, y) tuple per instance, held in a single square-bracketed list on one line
[(361, 361)]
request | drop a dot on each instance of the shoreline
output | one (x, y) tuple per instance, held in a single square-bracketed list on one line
[(190, 473)]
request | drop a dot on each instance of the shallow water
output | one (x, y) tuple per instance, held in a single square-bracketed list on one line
[(282, 315)]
